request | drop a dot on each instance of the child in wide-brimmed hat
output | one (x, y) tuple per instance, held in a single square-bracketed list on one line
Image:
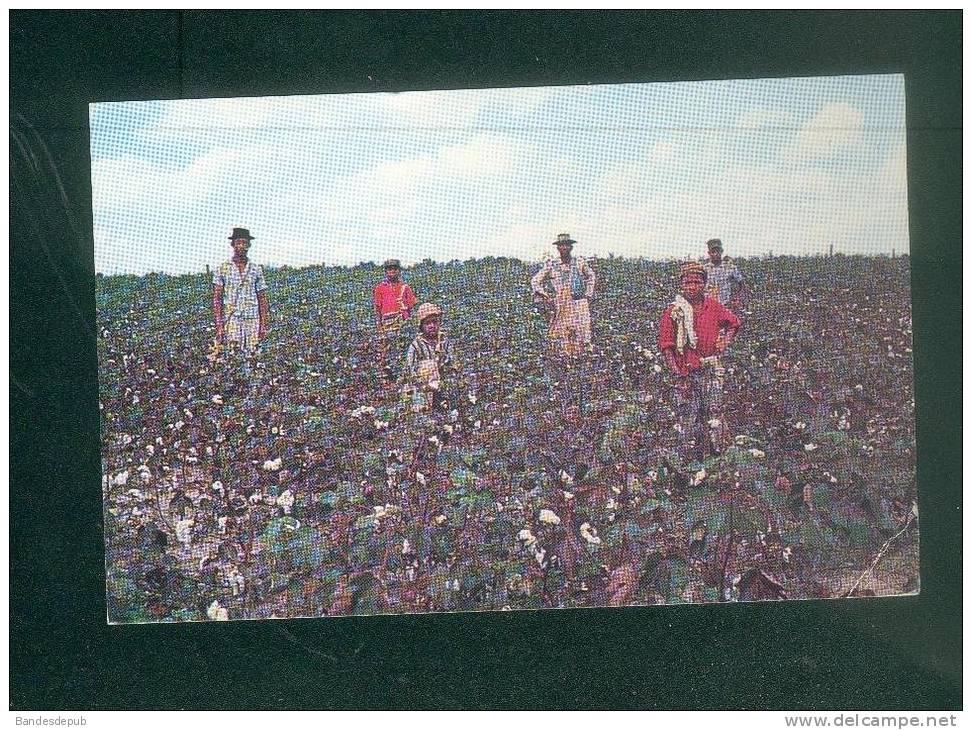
[(430, 356)]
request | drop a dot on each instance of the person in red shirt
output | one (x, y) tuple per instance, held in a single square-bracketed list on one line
[(693, 332), (393, 301)]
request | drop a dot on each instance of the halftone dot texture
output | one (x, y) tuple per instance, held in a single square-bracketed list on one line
[(298, 483), (789, 166)]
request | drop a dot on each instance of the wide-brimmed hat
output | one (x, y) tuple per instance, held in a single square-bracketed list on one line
[(564, 238), (241, 233), (692, 268), (392, 264), (427, 310), (714, 244)]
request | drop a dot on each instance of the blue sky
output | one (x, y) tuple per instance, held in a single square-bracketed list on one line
[(783, 165)]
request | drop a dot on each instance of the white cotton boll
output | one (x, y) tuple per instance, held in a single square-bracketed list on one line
[(757, 454), (150, 450), (656, 367), (799, 425), (714, 423), (810, 447), (699, 477), (566, 478), (568, 496), (420, 478), (385, 511), (179, 424), (525, 536), (548, 517), (540, 555), (440, 519), (787, 553), (256, 498), (121, 479), (406, 547), (217, 612), (218, 400), (222, 524), (589, 534), (286, 501), (472, 398), (183, 529), (272, 464)]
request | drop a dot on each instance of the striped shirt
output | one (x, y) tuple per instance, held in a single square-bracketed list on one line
[(421, 349), (240, 289)]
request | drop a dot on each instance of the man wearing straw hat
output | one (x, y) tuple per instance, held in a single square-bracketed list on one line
[(393, 301), (573, 281), (694, 331), (240, 308)]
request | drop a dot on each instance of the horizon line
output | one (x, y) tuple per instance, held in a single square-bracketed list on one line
[(405, 267)]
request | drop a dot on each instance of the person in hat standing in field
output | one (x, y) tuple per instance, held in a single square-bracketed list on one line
[(393, 301), (723, 279), (694, 331), (573, 281), (240, 308), (430, 358)]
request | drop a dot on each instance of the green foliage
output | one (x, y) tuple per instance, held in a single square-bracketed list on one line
[(491, 462)]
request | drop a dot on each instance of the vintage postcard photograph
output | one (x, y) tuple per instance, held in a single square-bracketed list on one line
[(505, 349)]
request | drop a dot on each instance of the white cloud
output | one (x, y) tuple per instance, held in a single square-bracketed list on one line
[(835, 129), (456, 174), (758, 119)]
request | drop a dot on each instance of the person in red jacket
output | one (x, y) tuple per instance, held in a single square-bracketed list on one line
[(393, 301), (689, 339)]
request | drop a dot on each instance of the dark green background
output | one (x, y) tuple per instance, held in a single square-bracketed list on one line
[(869, 654)]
